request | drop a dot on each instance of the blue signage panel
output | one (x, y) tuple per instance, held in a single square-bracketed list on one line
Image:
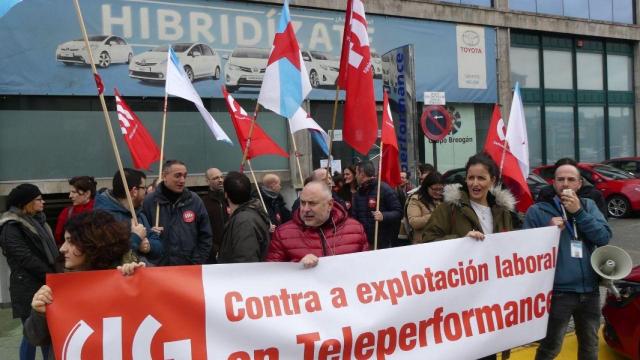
[(218, 42)]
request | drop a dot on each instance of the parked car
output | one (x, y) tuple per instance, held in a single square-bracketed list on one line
[(629, 164), (322, 67), (199, 61), (622, 317), (535, 182), (106, 50), (620, 189), (245, 67)]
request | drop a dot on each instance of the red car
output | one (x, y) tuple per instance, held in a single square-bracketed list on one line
[(621, 190), (622, 317)]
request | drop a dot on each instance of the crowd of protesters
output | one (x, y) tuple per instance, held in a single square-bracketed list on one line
[(236, 222)]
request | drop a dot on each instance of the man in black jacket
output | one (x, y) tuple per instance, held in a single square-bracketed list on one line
[(246, 235), (273, 200), (364, 206), (217, 208), (184, 222)]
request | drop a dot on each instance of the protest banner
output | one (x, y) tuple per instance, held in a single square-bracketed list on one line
[(455, 299)]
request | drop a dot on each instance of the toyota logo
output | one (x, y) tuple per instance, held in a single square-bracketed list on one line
[(470, 38)]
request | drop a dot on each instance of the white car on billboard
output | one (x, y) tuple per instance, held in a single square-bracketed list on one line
[(106, 50), (199, 61), (322, 67), (245, 67)]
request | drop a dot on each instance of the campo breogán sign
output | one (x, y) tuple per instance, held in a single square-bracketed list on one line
[(456, 299)]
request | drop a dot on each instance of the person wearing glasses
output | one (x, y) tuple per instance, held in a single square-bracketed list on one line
[(28, 244), (421, 205), (217, 207), (145, 241)]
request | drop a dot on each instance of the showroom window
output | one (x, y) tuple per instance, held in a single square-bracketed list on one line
[(581, 101), (618, 11)]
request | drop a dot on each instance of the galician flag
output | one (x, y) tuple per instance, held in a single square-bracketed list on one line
[(178, 84), (517, 133), (301, 120), (285, 82)]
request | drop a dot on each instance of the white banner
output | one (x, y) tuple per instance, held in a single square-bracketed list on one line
[(456, 299), (472, 63)]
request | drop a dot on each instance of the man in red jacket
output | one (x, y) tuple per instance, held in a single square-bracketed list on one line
[(319, 227)]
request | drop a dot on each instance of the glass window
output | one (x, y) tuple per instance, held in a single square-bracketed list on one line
[(576, 8), (525, 67), (553, 7), (451, 1), (601, 10), (523, 5), (559, 132), (623, 11), (558, 69), (486, 3), (589, 67), (621, 132), (619, 73), (591, 133), (534, 135)]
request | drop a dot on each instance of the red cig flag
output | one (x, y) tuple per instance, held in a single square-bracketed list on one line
[(144, 151)]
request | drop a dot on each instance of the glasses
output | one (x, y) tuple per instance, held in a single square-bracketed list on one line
[(141, 188), (39, 198), (436, 188)]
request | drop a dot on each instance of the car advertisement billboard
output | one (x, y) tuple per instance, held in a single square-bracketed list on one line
[(219, 43)]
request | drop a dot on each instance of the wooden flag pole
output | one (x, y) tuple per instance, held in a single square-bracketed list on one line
[(164, 126), (253, 123), (377, 224), (105, 112), (297, 155), (333, 127), (255, 181)]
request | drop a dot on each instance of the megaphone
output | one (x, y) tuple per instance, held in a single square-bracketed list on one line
[(611, 263)]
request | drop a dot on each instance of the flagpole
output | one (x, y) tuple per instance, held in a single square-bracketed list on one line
[(333, 125), (134, 219), (253, 123), (164, 126), (297, 155), (375, 234), (255, 181)]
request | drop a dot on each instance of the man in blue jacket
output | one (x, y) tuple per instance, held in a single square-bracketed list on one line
[(144, 241), (364, 205), (575, 287), (186, 231)]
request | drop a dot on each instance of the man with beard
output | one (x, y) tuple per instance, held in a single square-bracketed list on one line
[(277, 208), (217, 208)]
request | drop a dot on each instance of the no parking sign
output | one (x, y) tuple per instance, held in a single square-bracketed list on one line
[(435, 122)]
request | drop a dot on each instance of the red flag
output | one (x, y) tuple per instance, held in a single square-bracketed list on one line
[(511, 174), (360, 128), (390, 169), (261, 143), (143, 149)]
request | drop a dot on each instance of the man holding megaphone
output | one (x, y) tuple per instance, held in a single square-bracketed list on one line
[(575, 287)]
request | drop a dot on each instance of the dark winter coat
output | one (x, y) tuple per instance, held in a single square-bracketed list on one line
[(217, 208), (246, 235), (573, 274), (107, 202), (339, 235), (277, 208), (187, 233), (31, 253), (455, 217), (364, 202)]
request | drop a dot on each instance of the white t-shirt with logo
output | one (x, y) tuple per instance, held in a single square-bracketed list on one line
[(485, 216)]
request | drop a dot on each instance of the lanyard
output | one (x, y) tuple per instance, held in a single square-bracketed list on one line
[(573, 230)]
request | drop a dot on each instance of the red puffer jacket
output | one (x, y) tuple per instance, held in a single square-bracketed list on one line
[(293, 240)]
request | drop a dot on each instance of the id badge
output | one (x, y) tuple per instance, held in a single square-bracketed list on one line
[(576, 249)]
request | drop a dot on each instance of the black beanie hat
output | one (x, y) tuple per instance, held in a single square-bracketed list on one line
[(22, 194)]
